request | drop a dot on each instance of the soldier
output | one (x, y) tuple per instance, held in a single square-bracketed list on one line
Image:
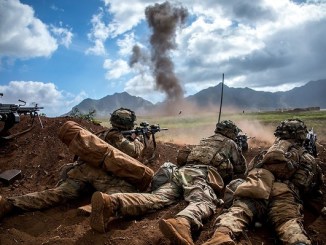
[(274, 187), (79, 178), (123, 119), (200, 177)]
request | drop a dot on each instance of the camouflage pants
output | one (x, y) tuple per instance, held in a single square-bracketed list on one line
[(283, 210), (187, 182), (79, 179)]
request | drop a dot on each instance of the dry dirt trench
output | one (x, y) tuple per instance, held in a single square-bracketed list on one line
[(39, 154)]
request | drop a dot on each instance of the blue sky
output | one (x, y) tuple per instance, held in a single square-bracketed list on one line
[(58, 52)]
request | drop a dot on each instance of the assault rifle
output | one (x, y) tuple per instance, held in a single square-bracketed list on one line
[(310, 142), (146, 130), (242, 141), (10, 115)]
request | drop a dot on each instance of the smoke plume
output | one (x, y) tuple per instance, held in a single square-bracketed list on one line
[(163, 19), (137, 56)]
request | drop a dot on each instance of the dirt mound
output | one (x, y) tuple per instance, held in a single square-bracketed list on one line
[(39, 154)]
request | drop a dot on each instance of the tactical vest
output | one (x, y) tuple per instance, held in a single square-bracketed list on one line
[(280, 160), (211, 152)]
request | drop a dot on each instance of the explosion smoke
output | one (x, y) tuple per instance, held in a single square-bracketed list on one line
[(163, 19), (137, 56)]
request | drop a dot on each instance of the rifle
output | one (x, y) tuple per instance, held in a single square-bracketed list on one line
[(146, 130), (242, 141), (310, 142), (10, 115)]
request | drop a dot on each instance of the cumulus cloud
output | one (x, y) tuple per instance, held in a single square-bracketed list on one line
[(63, 35), (98, 34), (25, 36), (126, 44), (47, 95), (125, 16), (115, 69), (22, 34), (144, 86), (258, 44)]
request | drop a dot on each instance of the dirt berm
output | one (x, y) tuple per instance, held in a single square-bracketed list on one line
[(39, 154)]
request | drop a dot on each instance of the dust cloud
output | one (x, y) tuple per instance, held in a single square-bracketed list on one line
[(258, 134)]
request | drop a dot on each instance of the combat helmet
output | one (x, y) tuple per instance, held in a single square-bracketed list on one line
[(291, 129), (123, 118), (228, 129)]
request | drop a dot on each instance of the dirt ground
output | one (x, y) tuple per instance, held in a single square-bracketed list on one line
[(39, 154)]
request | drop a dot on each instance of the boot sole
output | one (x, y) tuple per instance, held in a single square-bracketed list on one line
[(97, 214), (170, 232)]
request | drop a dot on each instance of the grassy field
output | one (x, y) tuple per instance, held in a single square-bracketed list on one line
[(190, 128)]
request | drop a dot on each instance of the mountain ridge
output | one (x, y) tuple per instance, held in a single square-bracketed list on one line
[(312, 94)]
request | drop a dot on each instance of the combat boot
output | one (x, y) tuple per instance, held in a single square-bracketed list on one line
[(102, 210), (177, 230), (5, 207), (221, 237)]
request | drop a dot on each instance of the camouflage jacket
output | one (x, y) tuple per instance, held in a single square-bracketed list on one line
[(290, 163), (220, 152), (114, 137)]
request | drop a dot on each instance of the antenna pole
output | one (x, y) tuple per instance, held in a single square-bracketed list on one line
[(219, 115)]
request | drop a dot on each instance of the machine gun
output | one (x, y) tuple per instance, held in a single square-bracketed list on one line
[(310, 142), (146, 131), (10, 115), (242, 141)]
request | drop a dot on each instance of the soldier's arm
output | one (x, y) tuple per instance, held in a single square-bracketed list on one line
[(132, 147)]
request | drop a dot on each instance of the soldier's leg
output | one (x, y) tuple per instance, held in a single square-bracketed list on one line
[(111, 184), (202, 204), (106, 183), (233, 223), (72, 184), (47, 198), (105, 206), (131, 204), (285, 212)]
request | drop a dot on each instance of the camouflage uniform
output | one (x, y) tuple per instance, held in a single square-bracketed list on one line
[(204, 170), (79, 178), (294, 173)]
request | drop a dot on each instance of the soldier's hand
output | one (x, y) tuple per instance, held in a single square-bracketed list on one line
[(133, 136)]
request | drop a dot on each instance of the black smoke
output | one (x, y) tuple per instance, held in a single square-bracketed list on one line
[(163, 19)]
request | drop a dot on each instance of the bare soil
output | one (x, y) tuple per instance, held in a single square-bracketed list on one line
[(39, 154)]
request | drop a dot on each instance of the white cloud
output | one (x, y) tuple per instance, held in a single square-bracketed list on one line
[(22, 34), (46, 95), (144, 86), (115, 69), (126, 15), (124, 18), (98, 34), (64, 36), (259, 44), (126, 44)]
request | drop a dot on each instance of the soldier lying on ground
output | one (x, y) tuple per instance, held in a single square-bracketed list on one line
[(274, 187), (199, 180), (100, 166)]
